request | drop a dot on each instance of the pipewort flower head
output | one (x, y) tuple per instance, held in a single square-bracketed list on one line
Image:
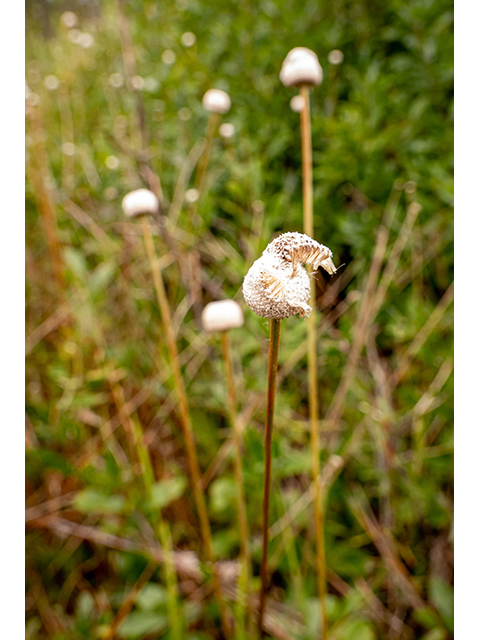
[(217, 101), (139, 202), (277, 285), (301, 66), (222, 316)]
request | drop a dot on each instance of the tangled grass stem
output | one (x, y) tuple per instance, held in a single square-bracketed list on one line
[(275, 325)]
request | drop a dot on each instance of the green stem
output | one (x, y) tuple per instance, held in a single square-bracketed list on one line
[(272, 379)]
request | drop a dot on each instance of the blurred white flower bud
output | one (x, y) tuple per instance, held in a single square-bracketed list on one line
[(277, 285), (140, 201), (222, 316), (217, 101), (51, 82), (226, 130), (168, 56), (136, 82), (335, 56), (86, 40), (112, 162), (69, 19), (192, 195), (75, 36), (116, 80), (301, 66), (188, 39), (296, 103)]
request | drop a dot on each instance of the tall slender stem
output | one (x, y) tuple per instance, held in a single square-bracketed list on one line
[(312, 363), (237, 464), (205, 157), (185, 420), (271, 385)]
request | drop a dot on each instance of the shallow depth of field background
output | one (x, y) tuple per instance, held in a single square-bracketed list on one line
[(381, 128)]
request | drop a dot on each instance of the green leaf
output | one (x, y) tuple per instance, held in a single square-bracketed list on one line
[(92, 500), (166, 491), (151, 597), (223, 495), (441, 594), (140, 623)]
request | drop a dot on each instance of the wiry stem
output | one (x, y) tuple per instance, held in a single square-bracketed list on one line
[(41, 183), (312, 363), (272, 379), (185, 420), (244, 588), (203, 162)]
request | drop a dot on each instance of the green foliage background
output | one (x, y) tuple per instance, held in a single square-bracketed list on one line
[(380, 120)]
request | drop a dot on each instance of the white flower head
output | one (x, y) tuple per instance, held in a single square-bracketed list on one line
[(217, 101), (296, 103), (335, 56), (226, 130), (301, 66), (277, 285), (138, 202), (222, 315), (69, 19)]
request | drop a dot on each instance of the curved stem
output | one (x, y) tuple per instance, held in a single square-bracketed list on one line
[(312, 363), (272, 379)]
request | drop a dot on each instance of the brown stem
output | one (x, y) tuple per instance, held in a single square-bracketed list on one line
[(185, 420), (40, 178), (312, 362), (237, 463), (272, 379), (203, 162)]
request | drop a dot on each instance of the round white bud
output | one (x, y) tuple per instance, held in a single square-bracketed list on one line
[(168, 56), (69, 19), (140, 201), (192, 195), (296, 103), (222, 316), (301, 66), (51, 82), (226, 130), (188, 39), (217, 101), (335, 56), (86, 40)]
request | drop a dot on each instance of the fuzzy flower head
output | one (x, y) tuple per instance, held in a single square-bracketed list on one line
[(222, 315), (301, 66), (139, 202), (277, 285), (217, 101)]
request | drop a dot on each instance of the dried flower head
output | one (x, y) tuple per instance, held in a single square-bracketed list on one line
[(217, 101), (222, 315), (139, 202), (301, 66), (277, 285)]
